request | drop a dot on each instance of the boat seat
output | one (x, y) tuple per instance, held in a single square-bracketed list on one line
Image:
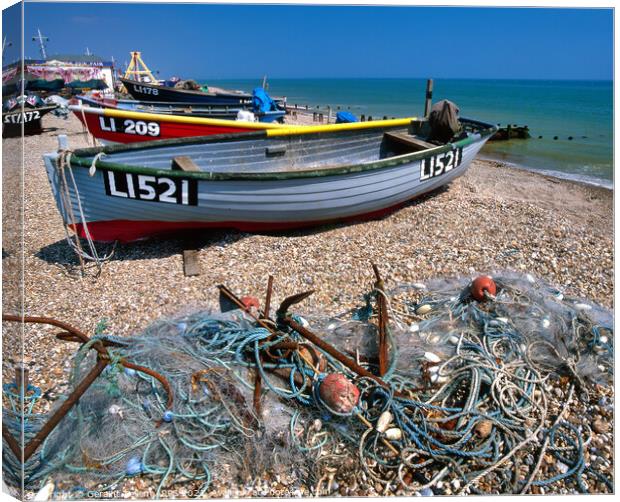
[(184, 163), (416, 144)]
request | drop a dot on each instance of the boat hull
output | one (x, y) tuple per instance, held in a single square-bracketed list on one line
[(252, 205), (149, 92), (30, 117), (123, 126)]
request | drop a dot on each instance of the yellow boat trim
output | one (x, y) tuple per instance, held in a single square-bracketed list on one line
[(271, 129), (350, 126), (128, 114)]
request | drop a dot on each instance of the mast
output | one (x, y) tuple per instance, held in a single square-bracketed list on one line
[(137, 68), (5, 45), (41, 39)]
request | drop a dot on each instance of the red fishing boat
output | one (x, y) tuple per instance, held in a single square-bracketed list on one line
[(123, 126)]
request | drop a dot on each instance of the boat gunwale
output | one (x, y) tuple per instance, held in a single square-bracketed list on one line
[(243, 95), (394, 161), (172, 118), (44, 109)]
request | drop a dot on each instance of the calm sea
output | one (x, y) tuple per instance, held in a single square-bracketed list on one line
[(582, 110)]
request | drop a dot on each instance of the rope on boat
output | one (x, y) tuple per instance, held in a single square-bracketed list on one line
[(93, 166), (63, 166)]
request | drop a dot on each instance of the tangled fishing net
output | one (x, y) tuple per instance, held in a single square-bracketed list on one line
[(469, 394)]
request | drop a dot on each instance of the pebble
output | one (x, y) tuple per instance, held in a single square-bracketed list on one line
[(125, 291), (600, 426)]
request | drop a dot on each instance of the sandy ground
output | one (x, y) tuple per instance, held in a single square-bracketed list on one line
[(493, 218)]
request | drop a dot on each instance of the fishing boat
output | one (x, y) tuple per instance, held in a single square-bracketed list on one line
[(148, 91), (183, 109), (111, 125), (24, 110), (266, 180)]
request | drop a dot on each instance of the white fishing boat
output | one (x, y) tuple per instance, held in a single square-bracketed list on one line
[(265, 180)]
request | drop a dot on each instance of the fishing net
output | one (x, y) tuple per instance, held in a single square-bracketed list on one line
[(476, 392)]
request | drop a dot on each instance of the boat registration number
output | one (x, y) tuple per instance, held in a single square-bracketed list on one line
[(128, 126), (440, 164), (151, 188), (18, 118)]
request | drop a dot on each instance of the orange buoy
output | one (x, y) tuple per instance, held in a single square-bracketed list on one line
[(481, 284), (250, 302), (339, 393)]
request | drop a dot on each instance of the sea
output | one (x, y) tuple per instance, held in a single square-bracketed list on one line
[(571, 122)]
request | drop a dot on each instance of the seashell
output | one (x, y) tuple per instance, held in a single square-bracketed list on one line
[(603, 339), (303, 322), (419, 285), (437, 378), (115, 409), (530, 278), (414, 328), (331, 327), (546, 323), (433, 369), (317, 425), (384, 421), (423, 309), (583, 306), (431, 357), (454, 340), (434, 339), (483, 428), (394, 434)]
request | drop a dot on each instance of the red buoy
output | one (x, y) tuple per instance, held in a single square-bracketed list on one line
[(250, 302), (481, 284), (339, 393)]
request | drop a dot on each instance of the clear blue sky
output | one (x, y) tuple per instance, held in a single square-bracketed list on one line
[(238, 41)]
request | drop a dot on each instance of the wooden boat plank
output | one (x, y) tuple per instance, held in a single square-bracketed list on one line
[(184, 163), (407, 139), (191, 264)]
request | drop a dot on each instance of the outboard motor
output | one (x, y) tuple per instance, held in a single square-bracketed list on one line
[(444, 121)]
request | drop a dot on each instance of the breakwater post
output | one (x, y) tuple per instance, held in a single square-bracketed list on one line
[(429, 97)]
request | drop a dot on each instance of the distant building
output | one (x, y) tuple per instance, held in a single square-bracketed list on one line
[(76, 71)]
